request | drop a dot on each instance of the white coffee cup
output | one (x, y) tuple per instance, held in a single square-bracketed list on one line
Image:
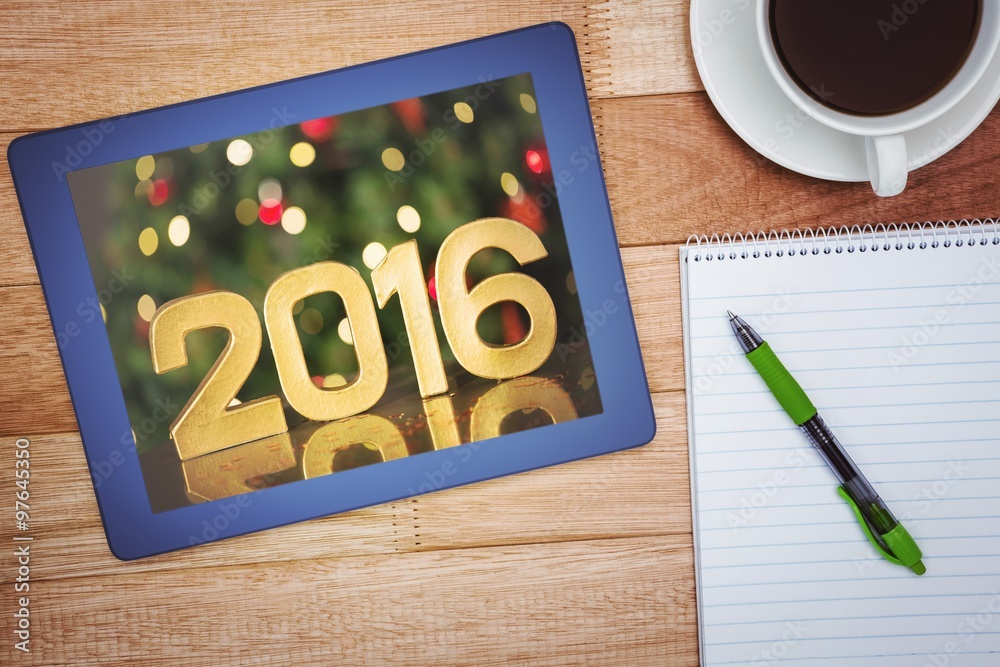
[(884, 135)]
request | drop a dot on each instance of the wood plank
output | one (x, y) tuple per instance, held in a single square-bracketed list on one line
[(30, 367), (622, 603), (28, 342), (583, 500), (648, 47), (110, 58), (17, 267), (130, 61), (674, 168), (653, 276)]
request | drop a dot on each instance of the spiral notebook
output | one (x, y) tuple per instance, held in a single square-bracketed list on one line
[(895, 334)]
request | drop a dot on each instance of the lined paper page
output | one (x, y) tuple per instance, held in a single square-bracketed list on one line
[(900, 352)]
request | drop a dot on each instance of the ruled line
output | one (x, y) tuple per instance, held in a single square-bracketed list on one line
[(836, 291)]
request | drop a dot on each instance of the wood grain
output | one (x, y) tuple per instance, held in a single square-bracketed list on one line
[(647, 49), (110, 58), (674, 168), (583, 500), (586, 563), (625, 601), (27, 342)]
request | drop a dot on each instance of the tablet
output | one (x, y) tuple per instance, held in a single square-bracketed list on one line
[(341, 290)]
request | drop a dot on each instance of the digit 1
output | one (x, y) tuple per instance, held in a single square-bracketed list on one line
[(400, 273), (440, 413)]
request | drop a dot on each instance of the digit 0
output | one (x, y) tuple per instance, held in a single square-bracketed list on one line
[(310, 401)]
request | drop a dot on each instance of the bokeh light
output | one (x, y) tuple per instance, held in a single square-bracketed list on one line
[(463, 112), (311, 321), (268, 188), (571, 283), (535, 161), (318, 129), (142, 189), (293, 220), (373, 254), (146, 307), (302, 154), (158, 192), (239, 152), (408, 218), (344, 331), (149, 241), (393, 159), (333, 381), (246, 211), (179, 230), (164, 168), (509, 184), (270, 211), (144, 167)]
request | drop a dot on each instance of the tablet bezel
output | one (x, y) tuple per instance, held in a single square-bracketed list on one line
[(548, 52)]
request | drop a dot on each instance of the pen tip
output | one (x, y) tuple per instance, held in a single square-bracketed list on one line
[(730, 313), (918, 568)]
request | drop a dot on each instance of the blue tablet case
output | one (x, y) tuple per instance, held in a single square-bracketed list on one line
[(139, 522)]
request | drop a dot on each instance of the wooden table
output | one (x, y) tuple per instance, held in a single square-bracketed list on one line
[(586, 563)]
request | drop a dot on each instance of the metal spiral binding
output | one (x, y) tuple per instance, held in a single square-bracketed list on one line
[(856, 238)]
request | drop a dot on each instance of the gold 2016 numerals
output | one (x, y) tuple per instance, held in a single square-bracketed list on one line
[(206, 424)]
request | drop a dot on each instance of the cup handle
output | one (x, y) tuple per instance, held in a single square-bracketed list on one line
[(887, 164)]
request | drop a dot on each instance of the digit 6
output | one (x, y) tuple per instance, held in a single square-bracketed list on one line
[(461, 308)]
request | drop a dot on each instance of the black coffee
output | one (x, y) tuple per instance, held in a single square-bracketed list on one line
[(873, 57)]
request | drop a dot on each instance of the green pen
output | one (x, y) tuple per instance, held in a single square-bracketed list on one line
[(887, 535)]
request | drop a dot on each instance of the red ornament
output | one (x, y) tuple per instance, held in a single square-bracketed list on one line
[(318, 380), (411, 113), (536, 161), (514, 330), (319, 129), (270, 211), (432, 288), (158, 192), (526, 211)]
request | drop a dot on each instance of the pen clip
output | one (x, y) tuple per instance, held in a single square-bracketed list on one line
[(872, 537)]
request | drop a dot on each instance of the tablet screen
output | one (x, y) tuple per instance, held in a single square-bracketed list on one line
[(338, 292)]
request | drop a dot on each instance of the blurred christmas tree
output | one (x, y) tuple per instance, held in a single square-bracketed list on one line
[(235, 214)]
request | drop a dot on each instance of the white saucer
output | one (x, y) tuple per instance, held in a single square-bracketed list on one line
[(727, 53)]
